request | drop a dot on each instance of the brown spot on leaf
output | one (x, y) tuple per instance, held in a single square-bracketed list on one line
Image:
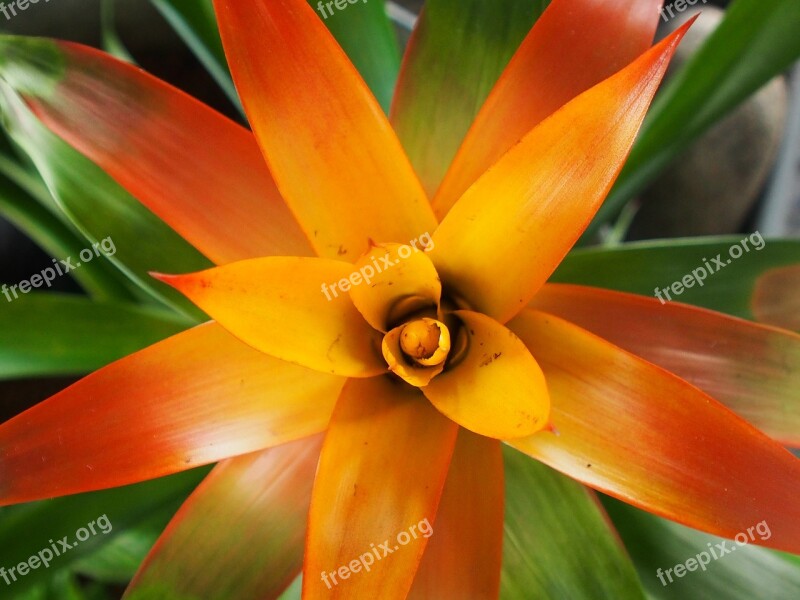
[(490, 359)]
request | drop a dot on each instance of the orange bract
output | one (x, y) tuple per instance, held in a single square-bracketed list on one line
[(406, 356)]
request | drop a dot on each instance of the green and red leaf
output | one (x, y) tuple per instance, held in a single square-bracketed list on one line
[(253, 507), (630, 429), (193, 399)]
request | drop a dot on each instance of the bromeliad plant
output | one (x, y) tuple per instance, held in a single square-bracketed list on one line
[(339, 423)]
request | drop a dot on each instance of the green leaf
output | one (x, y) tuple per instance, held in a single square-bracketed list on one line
[(558, 543), (196, 23), (241, 534), (294, 591), (748, 572), (92, 200), (38, 592), (117, 561), (53, 334), (28, 205), (99, 279), (111, 40), (456, 55), (27, 529), (641, 267), (25, 176), (362, 29), (64, 585), (756, 41), (365, 33)]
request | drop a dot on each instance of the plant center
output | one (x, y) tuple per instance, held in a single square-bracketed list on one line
[(425, 341)]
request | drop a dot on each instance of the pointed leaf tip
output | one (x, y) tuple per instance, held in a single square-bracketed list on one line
[(540, 196)]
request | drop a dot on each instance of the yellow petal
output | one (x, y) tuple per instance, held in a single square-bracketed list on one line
[(495, 388), (511, 229), (573, 46), (394, 280), (277, 305), (379, 480), (333, 154)]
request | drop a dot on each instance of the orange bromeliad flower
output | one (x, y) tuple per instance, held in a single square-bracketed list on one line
[(416, 360)]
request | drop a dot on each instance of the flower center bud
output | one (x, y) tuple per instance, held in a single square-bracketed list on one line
[(425, 341)]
